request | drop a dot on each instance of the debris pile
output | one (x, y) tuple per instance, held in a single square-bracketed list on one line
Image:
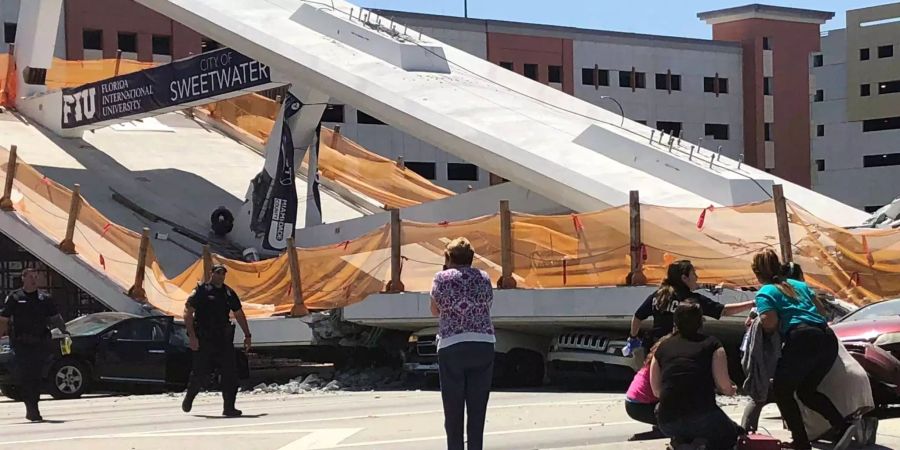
[(348, 380)]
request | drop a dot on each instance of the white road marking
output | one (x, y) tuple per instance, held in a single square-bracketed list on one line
[(326, 438)]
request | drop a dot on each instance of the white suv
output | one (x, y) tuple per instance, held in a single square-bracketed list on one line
[(591, 356)]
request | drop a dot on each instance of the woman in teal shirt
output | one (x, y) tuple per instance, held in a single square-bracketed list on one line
[(810, 349)]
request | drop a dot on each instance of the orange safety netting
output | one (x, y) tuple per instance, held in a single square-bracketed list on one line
[(578, 250), (7, 80), (340, 159)]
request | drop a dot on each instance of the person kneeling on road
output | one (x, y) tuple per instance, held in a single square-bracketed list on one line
[(685, 372), (211, 333), (640, 402)]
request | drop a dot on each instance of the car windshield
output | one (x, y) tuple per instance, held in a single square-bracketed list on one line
[(93, 323), (890, 308)]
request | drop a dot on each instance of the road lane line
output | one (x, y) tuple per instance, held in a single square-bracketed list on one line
[(326, 438)]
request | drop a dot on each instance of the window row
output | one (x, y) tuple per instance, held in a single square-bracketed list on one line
[(554, 73), (718, 131), (127, 42), (455, 171), (884, 87), (9, 33), (884, 51), (638, 80), (883, 160)]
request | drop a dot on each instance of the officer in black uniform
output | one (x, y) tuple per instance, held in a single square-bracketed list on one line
[(206, 316), (32, 315)]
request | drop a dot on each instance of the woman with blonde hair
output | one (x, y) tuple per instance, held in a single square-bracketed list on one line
[(461, 298), (810, 349)]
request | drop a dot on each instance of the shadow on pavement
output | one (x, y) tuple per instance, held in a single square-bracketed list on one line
[(245, 416)]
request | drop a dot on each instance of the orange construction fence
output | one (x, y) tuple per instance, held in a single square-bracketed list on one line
[(578, 250), (340, 159)]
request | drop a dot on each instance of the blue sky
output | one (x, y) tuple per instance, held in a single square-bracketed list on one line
[(666, 17)]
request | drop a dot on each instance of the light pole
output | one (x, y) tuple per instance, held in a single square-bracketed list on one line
[(621, 110), (466, 9)]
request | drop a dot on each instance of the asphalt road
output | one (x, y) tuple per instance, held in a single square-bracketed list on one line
[(404, 420)]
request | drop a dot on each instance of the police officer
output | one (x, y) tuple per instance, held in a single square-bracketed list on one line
[(32, 315), (211, 333)]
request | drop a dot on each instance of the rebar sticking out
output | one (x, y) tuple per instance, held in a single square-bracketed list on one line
[(740, 161), (700, 146), (671, 143), (691, 155), (652, 133), (661, 135), (719, 153), (680, 134)]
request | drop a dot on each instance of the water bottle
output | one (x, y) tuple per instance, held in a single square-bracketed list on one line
[(632, 344), (65, 345)]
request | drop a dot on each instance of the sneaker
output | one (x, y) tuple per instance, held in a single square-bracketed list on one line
[(232, 413), (845, 437)]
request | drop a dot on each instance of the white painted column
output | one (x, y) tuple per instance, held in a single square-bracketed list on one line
[(36, 39)]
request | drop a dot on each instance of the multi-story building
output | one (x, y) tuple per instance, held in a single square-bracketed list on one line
[(856, 109)]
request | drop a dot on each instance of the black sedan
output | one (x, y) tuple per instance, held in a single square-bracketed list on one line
[(114, 350)]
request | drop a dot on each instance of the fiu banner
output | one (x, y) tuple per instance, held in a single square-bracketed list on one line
[(281, 211), (183, 81)]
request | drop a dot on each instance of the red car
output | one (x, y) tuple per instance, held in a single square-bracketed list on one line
[(872, 335)]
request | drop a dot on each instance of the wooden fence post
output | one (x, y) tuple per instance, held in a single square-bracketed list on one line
[(68, 244), (506, 260), (207, 263), (395, 285), (137, 291), (299, 309), (784, 229), (6, 203), (636, 276)]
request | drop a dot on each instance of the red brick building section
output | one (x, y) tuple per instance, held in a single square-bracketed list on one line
[(792, 35), (114, 16), (545, 52)]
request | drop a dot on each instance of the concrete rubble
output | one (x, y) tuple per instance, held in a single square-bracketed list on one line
[(346, 380)]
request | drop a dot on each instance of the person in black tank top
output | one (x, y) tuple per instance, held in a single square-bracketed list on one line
[(685, 373)]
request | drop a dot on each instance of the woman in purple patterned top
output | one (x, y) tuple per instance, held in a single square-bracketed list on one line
[(461, 298)]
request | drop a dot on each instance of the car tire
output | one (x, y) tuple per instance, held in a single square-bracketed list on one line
[(11, 392), (68, 379), (524, 369)]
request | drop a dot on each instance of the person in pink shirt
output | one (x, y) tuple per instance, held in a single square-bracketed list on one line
[(640, 403)]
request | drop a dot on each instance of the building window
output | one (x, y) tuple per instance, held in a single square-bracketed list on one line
[(767, 132), (768, 88), (128, 42), (462, 172), (820, 130), (885, 51), (887, 159), (709, 84), (554, 74), (767, 43), (93, 39), (865, 90), (719, 131), (820, 165), (209, 45), (531, 71), (362, 117), (672, 128), (818, 60), (820, 96), (9, 33), (889, 87), (883, 124), (589, 76), (642, 122), (427, 170), (872, 209), (162, 45), (506, 65), (640, 79), (863, 54), (667, 81), (333, 114)]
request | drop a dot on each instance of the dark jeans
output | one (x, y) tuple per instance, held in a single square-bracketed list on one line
[(715, 426), (642, 412), (29, 361), (466, 371), (222, 354), (807, 356)]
